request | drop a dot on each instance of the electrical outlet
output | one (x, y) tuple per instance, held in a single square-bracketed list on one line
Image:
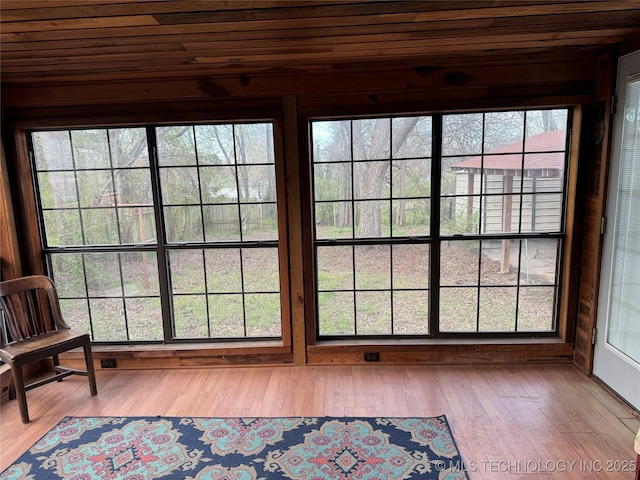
[(372, 357), (108, 363)]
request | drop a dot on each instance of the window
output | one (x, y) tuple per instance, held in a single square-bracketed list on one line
[(437, 225), (182, 245)]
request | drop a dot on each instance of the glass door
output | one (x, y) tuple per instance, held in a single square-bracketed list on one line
[(617, 351)]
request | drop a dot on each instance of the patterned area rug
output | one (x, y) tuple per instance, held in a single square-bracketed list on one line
[(309, 448)]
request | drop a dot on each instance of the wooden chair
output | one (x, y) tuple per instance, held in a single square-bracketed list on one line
[(33, 329)]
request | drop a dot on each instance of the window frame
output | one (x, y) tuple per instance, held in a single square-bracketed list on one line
[(162, 246), (436, 237)]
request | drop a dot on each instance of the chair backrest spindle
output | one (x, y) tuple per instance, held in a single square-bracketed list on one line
[(30, 312)]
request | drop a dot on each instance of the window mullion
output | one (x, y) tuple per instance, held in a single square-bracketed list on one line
[(434, 256), (166, 299)]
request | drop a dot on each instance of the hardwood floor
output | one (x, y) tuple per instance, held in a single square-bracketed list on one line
[(531, 422)]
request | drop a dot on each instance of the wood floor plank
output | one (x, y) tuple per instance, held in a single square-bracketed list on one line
[(530, 422)]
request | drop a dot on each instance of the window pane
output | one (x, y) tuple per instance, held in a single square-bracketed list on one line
[(335, 268), (259, 221), (500, 262), (371, 138), (260, 269), (187, 271), (373, 179), (458, 309), (108, 320), (144, 318), (176, 145), (137, 225), (190, 316), (501, 213), (257, 183), (57, 190), (103, 275), (539, 261), (227, 318), (373, 219), (336, 313), (331, 141), (133, 187), (411, 312), (373, 313), (128, 147), (184, 224), (67, 271), (536, 309), (503, 131), (372, 267), (332, 181), (411, 178), (459, 263), (334, 220), (254, 143), (100, 226), (140, 274), (180, 186), (91, 148), (223, 270), (52, 150), (462, 134), (76, 314), (96, 188), (221, 222), (497, 309), (411, 266), (262, 312), (62, 227), (542, 213), (218, 184), (411, 137), (214, 144), (411, 218), (459, 215), (539, 121)]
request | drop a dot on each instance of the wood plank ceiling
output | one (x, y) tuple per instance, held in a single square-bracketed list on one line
[(54, 42)]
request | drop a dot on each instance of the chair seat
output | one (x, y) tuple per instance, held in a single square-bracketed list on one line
[(59, 341)]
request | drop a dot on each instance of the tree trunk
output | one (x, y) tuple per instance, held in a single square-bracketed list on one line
[(402, 184), (375, 172), (344, 213)]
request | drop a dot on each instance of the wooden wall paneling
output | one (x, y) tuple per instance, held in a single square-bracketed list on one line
[(285, 53), (573, 226), (28, 231), (422, 79), (284, 247), (307, 205), (10, 262), (294, 221), (444, 353), (597, 158), (184, 111), (26, 46), (193, 355)]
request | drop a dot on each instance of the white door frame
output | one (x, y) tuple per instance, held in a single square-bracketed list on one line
[(618, 371)]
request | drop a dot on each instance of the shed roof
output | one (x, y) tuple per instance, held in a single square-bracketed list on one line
[(543, 154)]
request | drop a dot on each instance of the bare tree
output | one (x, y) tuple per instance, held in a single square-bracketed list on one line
[(374, 177)]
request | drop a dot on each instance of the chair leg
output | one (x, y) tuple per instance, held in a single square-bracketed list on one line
[(12, 387), (56, 364), (91, 373), (20, 393)]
